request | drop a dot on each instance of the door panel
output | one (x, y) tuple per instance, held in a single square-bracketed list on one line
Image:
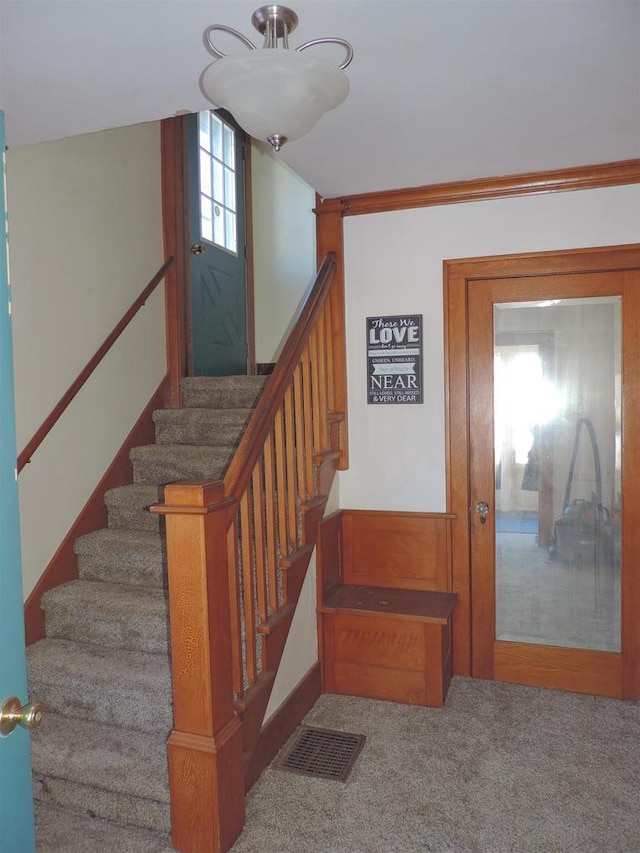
[(217, 228), (16, 807), (553, 613)]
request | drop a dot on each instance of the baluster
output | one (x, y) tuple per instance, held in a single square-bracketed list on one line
[(270, 519), (298, 417), (235, 608), (257, 485), (316, 412), (308, 416), (281, 483), (322, 384), (328, 343), (289, 446), (247, 588)]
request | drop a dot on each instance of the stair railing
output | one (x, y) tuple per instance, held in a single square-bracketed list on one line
[(274, 477), (236, 553), (59, 409)]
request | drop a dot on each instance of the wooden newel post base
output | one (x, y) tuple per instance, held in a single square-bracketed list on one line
[(206, 776)]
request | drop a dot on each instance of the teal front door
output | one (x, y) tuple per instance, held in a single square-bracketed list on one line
[(218, 245), (16, 805)]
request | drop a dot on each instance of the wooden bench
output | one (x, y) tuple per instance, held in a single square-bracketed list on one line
[(387, 643)]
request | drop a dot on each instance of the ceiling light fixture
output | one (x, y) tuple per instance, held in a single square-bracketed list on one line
[(274, 93)]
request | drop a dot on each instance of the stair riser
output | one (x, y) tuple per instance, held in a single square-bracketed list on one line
[(147, 635), (222, 392), (149, 575), (131, 516), (109, 805), (128, 708), (200, 427), (135, 559), (158, 467)]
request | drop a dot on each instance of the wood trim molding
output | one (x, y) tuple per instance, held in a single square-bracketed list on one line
[(457, 274), (174, 207), (63, 566), (529, 183), (283, 723)]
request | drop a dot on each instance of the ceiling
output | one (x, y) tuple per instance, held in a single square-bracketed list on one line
[(441, 90)]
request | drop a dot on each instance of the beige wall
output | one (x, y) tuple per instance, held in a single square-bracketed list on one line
[(284, 247), (301, 649), (85, 236), (393, 265)]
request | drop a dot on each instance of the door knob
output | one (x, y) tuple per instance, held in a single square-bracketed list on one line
[(13, 714), (197, 249), (482, 508)]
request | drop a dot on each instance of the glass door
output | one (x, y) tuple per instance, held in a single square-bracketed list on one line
[(557, 444), (549, 571)]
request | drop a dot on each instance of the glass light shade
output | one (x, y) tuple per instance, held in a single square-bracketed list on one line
[(275, 92)]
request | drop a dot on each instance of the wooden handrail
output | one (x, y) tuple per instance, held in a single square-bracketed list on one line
[(261, 423), (85, 373)]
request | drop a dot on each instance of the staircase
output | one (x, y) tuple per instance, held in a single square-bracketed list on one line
[(102, 672)]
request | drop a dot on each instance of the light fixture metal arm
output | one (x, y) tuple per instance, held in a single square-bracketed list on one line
[(222, 28), (345, 44)]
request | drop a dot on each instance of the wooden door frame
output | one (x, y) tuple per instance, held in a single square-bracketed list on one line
[(175, 224), (457, 276)]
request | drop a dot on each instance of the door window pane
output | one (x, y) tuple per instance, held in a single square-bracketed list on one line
[(557, 416), (217, 182)]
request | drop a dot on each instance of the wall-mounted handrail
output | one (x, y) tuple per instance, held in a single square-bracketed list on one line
[(85, 373)]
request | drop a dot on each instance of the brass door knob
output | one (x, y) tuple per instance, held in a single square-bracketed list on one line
[(197, 249), (13, 714)]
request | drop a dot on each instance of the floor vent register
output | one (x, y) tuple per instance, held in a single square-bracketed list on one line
[(323, 753)]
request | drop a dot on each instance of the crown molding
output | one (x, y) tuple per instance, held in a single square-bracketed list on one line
[(530, 183)]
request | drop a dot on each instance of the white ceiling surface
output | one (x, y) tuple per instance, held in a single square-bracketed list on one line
[(441, 90)]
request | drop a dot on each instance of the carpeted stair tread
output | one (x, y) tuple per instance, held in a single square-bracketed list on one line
[(102, 673), (108, 757), (112, 615), (214, 427), (222, 392), (128, 507), (115, 686), (122, 556), (162, 464), (61, 831)]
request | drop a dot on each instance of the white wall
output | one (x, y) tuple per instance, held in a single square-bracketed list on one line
[(85, 236), (393, 265), (284, 247)]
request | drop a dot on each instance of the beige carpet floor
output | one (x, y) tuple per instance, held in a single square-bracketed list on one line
[(499, 769)]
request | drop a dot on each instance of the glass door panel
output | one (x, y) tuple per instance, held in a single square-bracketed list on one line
[(557, 443)]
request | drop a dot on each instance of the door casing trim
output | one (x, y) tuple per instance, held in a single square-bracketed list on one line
[(457, 274), (175, 221)]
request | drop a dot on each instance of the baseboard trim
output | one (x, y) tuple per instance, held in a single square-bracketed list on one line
[(282, 724), (63, 566)]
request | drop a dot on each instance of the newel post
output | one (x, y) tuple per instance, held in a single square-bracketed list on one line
[(330, 238), (206, 775)]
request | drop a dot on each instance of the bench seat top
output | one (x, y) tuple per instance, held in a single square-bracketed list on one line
[(404, 603)]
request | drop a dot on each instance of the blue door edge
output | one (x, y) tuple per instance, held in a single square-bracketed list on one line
[(17, 832)]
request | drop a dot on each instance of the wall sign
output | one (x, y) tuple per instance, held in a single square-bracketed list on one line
[(394, 359)]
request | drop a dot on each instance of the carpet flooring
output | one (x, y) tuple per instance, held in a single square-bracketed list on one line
[(500, 769)]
